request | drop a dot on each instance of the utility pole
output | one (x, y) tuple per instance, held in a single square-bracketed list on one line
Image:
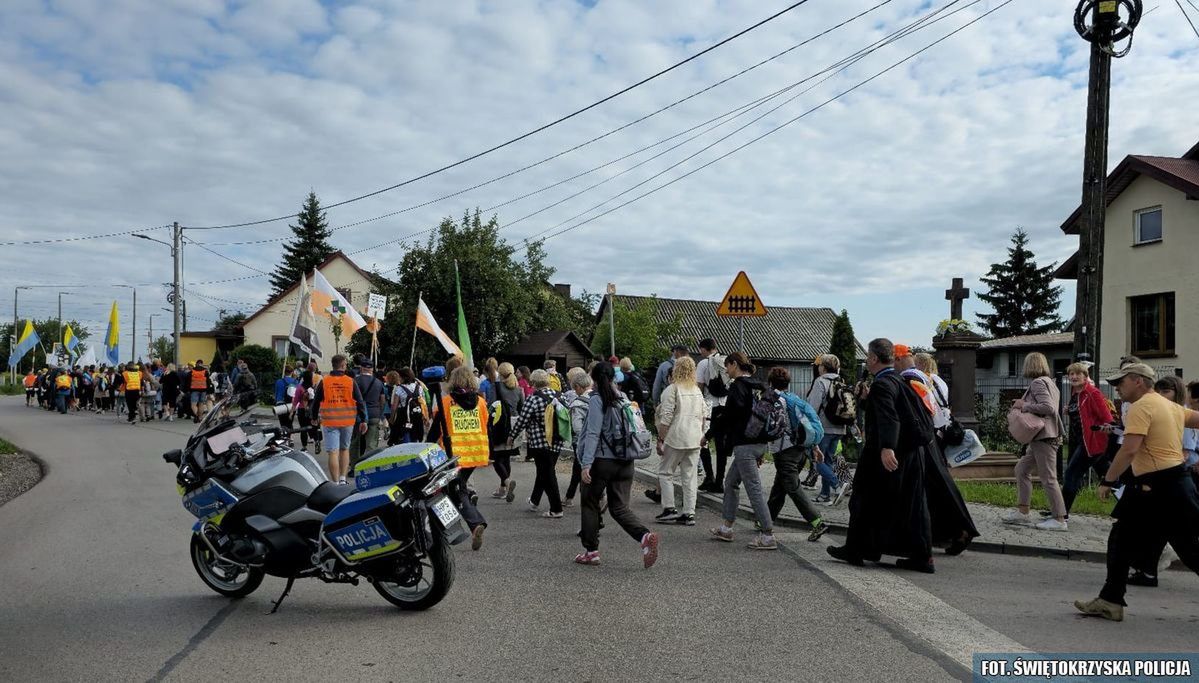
[(1105, 29), (612, 316), (176, 297)]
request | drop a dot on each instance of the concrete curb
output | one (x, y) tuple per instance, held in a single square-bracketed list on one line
[(712, 502), (42, 466)]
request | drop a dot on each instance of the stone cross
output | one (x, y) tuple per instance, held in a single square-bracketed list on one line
[(956, 295)]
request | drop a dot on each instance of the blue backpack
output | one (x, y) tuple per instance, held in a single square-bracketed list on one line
[(806, 428)]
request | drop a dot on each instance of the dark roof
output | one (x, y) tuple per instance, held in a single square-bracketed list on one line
[(1069, 268), (784, 334), (369, 277), (1029, 341), (538, 343), (1181, 173)]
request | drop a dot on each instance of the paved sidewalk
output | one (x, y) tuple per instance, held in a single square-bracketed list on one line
[(1086, 538)]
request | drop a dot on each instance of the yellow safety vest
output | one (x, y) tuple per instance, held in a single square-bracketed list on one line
[(467, 431), (133, 380), (63, 381)]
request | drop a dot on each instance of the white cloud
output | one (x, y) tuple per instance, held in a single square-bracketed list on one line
[(137, 113)]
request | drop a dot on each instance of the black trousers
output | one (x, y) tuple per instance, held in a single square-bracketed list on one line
[(501, 460), (131, 400), (716, 433), (614, 477), (305, 419), (458, 492), (787, 464), (576, 478), (1156, 508), (546, 461)]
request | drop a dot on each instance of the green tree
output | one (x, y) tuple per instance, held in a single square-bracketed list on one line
[(505, 294), (230, 323), (163, 349), (266, 366), (640, 333), (1021, 294), (48, 331), (844, 347), (307, 250)]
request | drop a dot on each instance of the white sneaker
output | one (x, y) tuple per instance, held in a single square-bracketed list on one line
[(532, 507), (1017, 517), (1052, 524)]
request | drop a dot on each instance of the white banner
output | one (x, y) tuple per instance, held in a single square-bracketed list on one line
[(376, 306)]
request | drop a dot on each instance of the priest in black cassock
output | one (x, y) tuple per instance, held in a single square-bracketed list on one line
[(888, 512)]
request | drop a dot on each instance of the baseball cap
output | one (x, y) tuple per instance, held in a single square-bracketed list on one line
[(1132, 369), (902, 351)]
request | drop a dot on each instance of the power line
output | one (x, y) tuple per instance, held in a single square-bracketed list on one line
[(1187, 16), (56, 240), (832, 70), (784, 124), (528, 134), (583, 144), (230, 260)]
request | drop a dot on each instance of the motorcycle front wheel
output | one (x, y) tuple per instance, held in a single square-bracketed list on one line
[(415, 583), (227, 579)]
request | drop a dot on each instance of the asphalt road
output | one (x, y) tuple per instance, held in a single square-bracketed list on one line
[(97, 585)]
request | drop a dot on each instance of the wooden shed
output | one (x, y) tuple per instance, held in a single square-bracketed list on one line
[(562, 346)]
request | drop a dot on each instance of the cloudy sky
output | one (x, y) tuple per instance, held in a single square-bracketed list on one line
[(127, 114)]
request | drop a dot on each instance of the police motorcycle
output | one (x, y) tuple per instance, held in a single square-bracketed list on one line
[(263, 507)]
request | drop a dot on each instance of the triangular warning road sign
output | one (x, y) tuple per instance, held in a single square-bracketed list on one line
[(742, 300)]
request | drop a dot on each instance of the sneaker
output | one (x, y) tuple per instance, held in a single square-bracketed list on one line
[(476, 537), (567, 503), (827, 500), (1140, 578), (1100, 608), (722, 533), (839, 492), (685, 520), (590, 557), (649, 549), (1017, 517), (550, 514), (763, 542), (498, 493), (819, 528), (341, 481), (1052, 524), (653, 495), (511, 494), (533, 507), (666, 516)]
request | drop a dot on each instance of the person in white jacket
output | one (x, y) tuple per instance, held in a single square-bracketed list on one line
[(682, 422)]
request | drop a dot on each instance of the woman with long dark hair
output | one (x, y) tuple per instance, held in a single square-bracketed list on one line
[(607, 468)]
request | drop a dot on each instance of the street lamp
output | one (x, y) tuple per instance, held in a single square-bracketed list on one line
[(133, 332), (176, 247)]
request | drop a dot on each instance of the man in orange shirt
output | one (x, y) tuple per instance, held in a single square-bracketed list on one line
[(30, 383), (339, 405)]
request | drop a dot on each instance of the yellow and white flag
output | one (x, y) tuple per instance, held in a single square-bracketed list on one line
[(327, 302), (425, 321)]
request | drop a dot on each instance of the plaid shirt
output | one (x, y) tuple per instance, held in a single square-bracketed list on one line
[(532, 420)]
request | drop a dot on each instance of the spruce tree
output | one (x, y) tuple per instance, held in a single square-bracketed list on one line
[(1021, 294), (307, 250), (844, 347)]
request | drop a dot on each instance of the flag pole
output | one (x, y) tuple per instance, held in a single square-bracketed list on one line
[(412, 356)]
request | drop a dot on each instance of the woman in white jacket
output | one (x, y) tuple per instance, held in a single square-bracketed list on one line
[(682, 422)]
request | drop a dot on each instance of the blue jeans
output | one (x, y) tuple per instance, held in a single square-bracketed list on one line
[(60, 400), (1076, 471), (828, 478)]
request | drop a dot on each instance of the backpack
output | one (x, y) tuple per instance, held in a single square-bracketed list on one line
[(806, 428), (410, 410), (636, 442), (557, 423), (636, 388), (767, 417), (840, 404), (578, 415), (718, 384), (555, 383), (500, 426)]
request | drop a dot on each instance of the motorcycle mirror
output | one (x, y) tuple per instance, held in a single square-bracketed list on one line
[(174, 457)]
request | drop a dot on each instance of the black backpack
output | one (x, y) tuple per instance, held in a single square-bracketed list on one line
[(717, 386), (410, 411), (840, 404), (635, 387)]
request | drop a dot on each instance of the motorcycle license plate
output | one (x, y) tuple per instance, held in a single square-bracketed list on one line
[(446, 512)]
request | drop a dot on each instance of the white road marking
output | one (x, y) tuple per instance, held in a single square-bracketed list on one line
[(928, 617)]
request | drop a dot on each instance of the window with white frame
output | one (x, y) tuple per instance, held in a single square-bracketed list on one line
[(1149, 225)]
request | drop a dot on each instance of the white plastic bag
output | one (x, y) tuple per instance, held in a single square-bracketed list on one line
[(968, 451)]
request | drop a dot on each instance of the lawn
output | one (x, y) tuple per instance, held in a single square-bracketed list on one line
[(6, 448), (1004, 495)]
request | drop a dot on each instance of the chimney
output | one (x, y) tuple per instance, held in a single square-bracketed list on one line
[(563, 290)]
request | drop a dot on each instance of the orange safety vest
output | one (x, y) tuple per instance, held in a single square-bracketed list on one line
[(199, 380), (337, 405), (63, 381), (133, 380), (30, 381), (467, 430)]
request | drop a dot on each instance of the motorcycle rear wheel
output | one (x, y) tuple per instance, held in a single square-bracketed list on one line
[(436, 577), (228, 580)]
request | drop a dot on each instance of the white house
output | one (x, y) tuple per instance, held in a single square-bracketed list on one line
[(1150, 263)]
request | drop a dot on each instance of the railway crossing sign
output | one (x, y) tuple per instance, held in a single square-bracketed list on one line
[(742, 300)]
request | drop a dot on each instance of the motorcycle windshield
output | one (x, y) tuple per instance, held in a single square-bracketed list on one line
[(226, 407)]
